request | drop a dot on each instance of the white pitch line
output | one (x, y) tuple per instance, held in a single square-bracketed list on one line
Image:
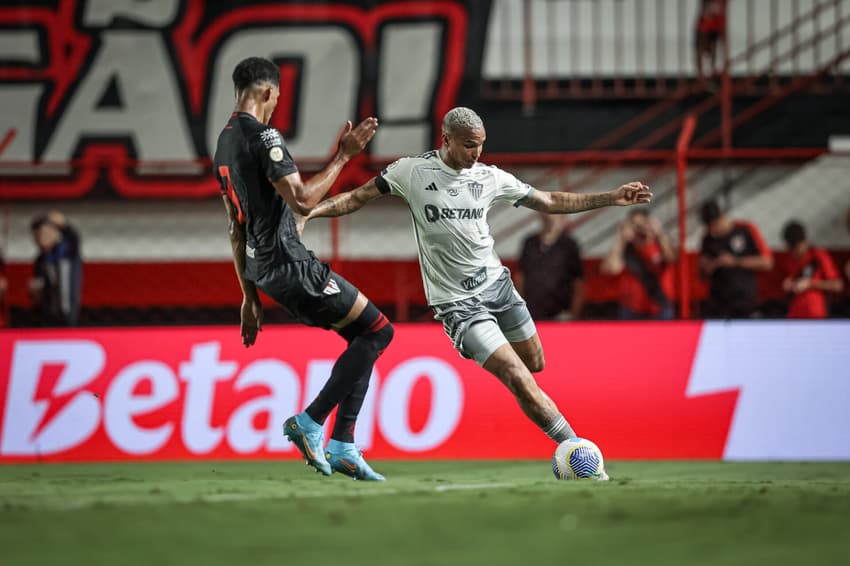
[(464, 486)]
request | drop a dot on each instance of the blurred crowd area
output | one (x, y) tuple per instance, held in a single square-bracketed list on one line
[(735, 269)]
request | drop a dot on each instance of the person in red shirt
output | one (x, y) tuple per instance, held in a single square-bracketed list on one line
[(809, 274), (643, 256), (710, 33)]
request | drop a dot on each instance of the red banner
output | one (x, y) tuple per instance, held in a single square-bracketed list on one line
[(197, 393)]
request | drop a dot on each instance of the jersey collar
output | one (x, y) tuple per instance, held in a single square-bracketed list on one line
[(448, 169)]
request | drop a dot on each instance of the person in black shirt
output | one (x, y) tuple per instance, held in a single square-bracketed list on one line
[(265, 199), (551, 277), (56, 284), (731, 254)]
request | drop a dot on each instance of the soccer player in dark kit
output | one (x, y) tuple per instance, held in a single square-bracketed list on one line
[(264, 196)]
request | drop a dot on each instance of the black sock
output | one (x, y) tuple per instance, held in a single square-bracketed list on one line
[(367, 337), (349, 407)]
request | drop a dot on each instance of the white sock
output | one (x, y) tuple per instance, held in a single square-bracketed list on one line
[(559, 429)]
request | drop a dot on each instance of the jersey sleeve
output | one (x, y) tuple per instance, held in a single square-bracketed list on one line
[(828, 270), (759, 246), (395, 179), (268, 147), (509, 188)]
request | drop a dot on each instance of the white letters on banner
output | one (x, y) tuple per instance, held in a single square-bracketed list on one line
[(148, 107), (331, 73), (57, 106), (446, 404), (201, 373), (153, 13), (279, 405), (121, 405), (40, 422), (29, 426)]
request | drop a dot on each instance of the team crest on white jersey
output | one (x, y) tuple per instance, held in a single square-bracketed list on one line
[(475, 189), (331, 288)]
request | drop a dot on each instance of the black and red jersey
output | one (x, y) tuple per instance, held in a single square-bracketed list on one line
[(646, 285), (734, 286), (817, 266), (249, 156)]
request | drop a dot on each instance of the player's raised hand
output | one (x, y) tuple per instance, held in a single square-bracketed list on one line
[(353, 140), (632, 193), (252, 320)]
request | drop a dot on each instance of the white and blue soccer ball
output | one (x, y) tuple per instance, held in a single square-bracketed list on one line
[(578, 459)]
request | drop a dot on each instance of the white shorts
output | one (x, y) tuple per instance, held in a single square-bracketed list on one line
[(501, 306)]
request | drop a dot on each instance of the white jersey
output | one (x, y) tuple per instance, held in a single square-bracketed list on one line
[(449, 209)]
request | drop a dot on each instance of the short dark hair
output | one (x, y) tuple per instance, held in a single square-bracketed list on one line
[(709, 212), (38, 222), (255, 70), (642, 211), (793, 233)]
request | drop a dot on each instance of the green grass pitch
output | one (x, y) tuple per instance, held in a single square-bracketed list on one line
[(440, 513)]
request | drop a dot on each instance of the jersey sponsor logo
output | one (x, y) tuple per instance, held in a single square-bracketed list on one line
[(431, 187), (249, 251), (276, 154), (453, 191), (737, 243), (433, 214), (271, 137), (331, 288), (475, 189), (472, 282)]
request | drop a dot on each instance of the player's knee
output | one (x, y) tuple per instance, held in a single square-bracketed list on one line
[(536, 363), (383, 336)]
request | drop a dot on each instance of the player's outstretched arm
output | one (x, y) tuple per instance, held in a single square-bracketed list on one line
[(303, 196), (564, 203), (251, 313), (346, 203)]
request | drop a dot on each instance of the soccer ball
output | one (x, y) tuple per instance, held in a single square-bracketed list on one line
[(578, 459)]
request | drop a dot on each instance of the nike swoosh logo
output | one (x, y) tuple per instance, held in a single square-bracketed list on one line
[(351, 467), (310, 454)]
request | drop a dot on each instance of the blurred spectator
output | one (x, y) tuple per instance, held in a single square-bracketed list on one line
[(731, 254), (710, 33), (4, 287), (847, 263), (551, 277), (809, 273), (56, 284), (643, 256)]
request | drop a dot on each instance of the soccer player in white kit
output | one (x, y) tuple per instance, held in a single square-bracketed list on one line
[(449, 193)]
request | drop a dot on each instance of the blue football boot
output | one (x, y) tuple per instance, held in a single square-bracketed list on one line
[(309, 437), (346, 459)]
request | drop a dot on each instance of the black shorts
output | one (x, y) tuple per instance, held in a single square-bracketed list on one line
[(309, 291)]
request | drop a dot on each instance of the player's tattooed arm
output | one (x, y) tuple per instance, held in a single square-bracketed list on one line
[(563, 203), (346, 203), (252, 310)]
